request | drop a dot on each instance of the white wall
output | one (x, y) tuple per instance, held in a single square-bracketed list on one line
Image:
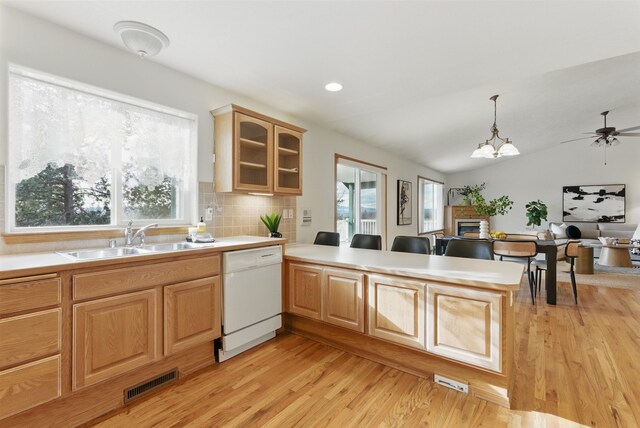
[(32, 42), (542, 175)]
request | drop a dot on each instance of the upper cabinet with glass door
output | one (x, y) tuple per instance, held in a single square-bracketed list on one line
[(288, 177), (255, 153)]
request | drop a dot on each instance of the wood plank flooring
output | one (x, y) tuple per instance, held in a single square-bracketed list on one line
[(575, 365)]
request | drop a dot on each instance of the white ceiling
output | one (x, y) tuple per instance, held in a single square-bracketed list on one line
[(417, 76)]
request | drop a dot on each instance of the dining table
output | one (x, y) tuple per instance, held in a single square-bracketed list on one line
[(547, 247)]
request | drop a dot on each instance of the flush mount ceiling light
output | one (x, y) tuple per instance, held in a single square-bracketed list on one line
[(140, 38), (333, 87), (495, 146)]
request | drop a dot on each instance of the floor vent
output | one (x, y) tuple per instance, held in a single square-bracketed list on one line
[(150, 385), (450, 383)]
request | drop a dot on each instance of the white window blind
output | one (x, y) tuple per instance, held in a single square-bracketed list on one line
[(141, 156)]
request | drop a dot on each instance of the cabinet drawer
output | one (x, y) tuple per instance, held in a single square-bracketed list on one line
[(23, 296), (30, 336), (114, 281), (29, 385)]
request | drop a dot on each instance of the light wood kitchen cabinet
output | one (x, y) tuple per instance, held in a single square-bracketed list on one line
[(344, 299), (114, 335), (464, 324), (21, 294), (396, 310), (304, 290), (29, 385), (288, 161), (29, 372), (256, 153), (192, 314), (30, 336)]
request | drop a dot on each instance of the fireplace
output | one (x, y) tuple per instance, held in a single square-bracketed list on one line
[(467, 225)]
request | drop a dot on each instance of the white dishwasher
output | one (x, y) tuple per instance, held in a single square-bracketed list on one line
[(251, 298)]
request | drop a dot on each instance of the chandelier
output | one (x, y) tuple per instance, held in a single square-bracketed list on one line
[(495, 146)]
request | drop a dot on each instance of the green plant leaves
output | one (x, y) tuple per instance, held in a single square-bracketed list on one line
[(272, 222)]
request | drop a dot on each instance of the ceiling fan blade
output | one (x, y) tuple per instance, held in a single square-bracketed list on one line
[(633, 128), (630, 134), (591, 133), (575, 139)]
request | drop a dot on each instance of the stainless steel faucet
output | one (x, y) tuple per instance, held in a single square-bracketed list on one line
[(130, 237)]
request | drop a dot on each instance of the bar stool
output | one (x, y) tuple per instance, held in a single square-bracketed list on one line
[(369, 242), (412, 244), (327, 238), (470, 249)]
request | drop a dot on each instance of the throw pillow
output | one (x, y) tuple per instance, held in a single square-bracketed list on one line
[(560, 231), (573, 232)]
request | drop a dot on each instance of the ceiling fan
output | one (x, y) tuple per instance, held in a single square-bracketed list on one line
[(606, 136)]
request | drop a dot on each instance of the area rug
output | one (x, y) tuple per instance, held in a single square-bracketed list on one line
[(604, 276)]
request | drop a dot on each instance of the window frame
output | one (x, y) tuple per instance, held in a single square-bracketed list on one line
[(382, 192), (421, 206), (189, 191)]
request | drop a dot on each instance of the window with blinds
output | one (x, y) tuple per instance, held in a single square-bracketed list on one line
[(83, 157)]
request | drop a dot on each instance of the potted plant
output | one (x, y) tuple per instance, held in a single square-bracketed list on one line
[(272, 222), (497, 206), (536, 212), (468, 191)]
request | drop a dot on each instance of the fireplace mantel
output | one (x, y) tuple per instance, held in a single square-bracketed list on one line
[(459, 212)]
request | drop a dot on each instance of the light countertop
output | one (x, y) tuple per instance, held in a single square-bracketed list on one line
[(36, 263), (472, 272)]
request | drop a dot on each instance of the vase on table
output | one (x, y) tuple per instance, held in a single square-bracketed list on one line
[(484, 229)]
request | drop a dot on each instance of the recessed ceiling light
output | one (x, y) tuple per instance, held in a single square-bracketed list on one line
[(333, 87)]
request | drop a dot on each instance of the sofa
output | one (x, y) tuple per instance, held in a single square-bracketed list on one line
[(590, 232)]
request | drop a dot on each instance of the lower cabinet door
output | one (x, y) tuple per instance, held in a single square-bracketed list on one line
[(343, 299), (29, 385), (191, 314), (114, 335), (304, 291), (396, 310), (464, 325)]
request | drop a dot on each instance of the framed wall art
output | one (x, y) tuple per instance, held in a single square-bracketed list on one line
[(603, 203), (404, 203)]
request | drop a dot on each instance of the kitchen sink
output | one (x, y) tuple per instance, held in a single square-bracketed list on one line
[(172, 246), (106, 253)]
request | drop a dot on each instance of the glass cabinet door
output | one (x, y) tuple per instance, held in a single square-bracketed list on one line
[(253, 156), (288, 161)]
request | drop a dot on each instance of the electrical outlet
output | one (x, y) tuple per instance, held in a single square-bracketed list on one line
[(209, 214), (284, 214), (290, 212)]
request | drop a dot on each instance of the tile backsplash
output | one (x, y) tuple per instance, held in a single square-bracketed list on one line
[(237, 214), (233, 214)]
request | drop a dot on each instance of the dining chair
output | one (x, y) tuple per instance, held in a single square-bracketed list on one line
[(570, 253), (411, 244), (369, 242), (470, 249), (327, 238), (520, 250)]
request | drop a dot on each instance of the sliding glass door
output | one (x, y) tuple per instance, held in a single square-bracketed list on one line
[(359, 199)]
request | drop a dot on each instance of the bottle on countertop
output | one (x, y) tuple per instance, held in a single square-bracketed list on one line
[(202, 226)]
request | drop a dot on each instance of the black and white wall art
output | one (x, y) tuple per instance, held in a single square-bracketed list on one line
[(594, 203), (404, 202)]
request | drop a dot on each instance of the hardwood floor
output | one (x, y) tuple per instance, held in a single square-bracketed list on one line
[(575, 365)]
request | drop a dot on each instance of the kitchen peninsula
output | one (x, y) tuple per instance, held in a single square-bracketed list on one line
[(426, 315)]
